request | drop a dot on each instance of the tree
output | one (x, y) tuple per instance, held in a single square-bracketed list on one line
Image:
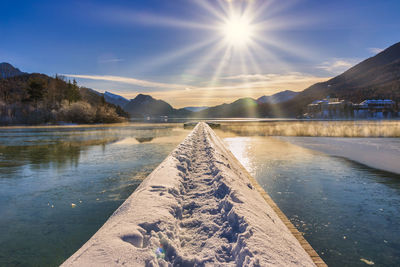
[(36, 89), (73, 93)]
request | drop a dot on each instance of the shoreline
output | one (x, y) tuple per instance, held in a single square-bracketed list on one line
[(197, 207)]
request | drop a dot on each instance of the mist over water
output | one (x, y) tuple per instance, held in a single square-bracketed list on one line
[(316, 128)]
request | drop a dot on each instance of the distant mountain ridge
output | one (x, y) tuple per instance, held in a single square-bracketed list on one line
[(7, 70), (115, 99), (145, 105), (243, 107), (280, 97)]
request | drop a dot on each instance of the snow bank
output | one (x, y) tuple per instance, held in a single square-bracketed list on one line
[(378, 153), (197, 208)]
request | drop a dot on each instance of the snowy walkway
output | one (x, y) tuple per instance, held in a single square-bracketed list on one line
[(197, 208)]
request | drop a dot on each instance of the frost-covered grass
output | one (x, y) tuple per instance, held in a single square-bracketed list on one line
[(377, 128)]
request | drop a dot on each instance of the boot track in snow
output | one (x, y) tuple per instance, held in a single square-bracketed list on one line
[(199, 207)]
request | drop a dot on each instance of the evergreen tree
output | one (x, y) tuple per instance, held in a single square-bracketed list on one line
[(36, 89), (73, 93)]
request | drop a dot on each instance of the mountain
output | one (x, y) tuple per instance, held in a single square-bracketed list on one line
[(145, 105), (377, 77), (115, 99), (244, 107), (7, 70), (195, 109), (278, 97)]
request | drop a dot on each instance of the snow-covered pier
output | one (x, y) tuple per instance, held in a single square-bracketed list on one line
[(199, 207)]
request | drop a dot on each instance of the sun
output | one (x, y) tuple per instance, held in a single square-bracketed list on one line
[(237, 30)]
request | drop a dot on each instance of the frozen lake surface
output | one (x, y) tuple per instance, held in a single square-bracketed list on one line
[(378, 153), (348, 212), (43, 171)]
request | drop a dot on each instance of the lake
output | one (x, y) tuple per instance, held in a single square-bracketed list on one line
[(44, 171), (58, 185)]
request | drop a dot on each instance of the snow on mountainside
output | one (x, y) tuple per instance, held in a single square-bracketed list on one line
[(194, 109), (7, 70), (278, 97), (115, 99)]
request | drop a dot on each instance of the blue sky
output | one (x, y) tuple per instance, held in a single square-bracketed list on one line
[(178, 50)]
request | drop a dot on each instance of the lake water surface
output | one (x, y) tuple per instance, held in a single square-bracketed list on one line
[(44, 171), (349, 213), (59, 185)]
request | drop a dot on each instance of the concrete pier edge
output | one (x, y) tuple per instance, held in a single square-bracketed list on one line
[(303, 242)]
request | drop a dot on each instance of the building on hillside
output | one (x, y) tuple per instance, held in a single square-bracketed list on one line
[(329, 108), (333, 108), (375, 109)]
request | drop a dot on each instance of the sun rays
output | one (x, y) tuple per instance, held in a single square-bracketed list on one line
[(243, 29), (225, 38)]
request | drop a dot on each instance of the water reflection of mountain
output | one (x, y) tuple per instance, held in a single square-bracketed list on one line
[(144, 139), (39, 156)]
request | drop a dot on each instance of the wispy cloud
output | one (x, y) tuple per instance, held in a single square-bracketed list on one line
[(134, 17), (246, 81), (110, 60), (337, 65), (127, 80), (375, 50), (292, 81), (272, 77)]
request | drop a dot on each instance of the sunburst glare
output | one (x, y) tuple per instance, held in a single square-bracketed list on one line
[(235, 38), (237, 30)]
